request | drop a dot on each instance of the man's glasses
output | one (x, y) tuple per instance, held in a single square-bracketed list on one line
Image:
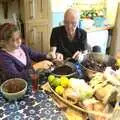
[(74, 23)]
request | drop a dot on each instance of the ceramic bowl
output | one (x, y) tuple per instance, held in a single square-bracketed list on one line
[(13, 89)]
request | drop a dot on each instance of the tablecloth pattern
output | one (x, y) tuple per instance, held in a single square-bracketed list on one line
[(33, 106)]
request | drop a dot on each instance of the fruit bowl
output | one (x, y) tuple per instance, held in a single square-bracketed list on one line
[(13, 89), (97, 62)]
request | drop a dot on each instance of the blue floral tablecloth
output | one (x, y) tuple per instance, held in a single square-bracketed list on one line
[(33, 106)]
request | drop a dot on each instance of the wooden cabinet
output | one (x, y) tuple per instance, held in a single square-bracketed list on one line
[(36, 9), (36, 36), (37, 21)]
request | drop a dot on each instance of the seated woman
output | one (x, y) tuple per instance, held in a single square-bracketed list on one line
[(16, 58)]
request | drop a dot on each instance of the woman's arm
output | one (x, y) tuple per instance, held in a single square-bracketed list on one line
[(35, 56), (11, 71)]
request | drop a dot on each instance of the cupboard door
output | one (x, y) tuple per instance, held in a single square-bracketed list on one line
[(36, 9), (37, 38), (42, 9)]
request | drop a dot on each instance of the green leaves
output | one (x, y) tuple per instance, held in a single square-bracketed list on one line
[(89, 13)]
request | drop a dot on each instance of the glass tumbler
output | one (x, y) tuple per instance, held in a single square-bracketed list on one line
[(35, 80)]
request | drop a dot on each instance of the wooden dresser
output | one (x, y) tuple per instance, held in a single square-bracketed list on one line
[(37, 23)]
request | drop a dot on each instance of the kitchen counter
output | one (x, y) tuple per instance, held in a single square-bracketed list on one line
[(98, 36), (94, 29)]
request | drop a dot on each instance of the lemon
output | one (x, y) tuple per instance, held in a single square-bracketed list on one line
[(56, 82), (118, 62), (59, 90), (64, 81), (51, 78)]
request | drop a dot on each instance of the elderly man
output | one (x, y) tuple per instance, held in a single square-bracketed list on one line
[(68, 40)]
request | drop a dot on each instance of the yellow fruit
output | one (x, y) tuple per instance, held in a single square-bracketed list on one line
[(118, 62), (64, 81), (56, 82), (51, 78), (59, 90)]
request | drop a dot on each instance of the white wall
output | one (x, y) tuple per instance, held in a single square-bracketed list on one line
[(111, 11), (99, 38), (60, 5)]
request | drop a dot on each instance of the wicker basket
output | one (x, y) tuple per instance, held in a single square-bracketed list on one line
[(116, 111), (77, 107), (114, 115)]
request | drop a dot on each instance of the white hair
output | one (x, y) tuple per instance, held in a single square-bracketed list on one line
[(73, 12)]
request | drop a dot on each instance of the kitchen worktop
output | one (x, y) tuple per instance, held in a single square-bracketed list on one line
[(98, 36), (94, 29)]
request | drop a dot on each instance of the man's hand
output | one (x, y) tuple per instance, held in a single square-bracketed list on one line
[(59, 56), (76, 55), (51, 55), (55, 56)]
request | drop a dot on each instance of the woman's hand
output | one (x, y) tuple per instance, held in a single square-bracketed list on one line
[(42, 65)]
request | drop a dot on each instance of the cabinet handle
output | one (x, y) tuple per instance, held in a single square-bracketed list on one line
[(32, 9), (41, 41), (33, 36), (41, 7)]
